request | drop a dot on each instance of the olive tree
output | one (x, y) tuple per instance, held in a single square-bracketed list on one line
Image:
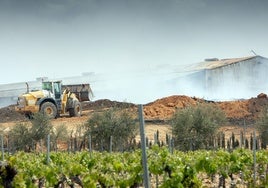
[(25, 137), (19, 137), (41, 127), (262, 127), (116, 125), (59, 132), (195, 127)]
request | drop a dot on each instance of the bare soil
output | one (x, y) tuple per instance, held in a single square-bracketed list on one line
[(241, 114)]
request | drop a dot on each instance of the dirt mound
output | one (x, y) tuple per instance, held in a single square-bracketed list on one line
[(164, 108), (235, 109), (256, 105), (8, 114), (248, 110), (106, 103)]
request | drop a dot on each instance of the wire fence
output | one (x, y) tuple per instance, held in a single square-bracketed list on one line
[(86, 142), (76, 143)]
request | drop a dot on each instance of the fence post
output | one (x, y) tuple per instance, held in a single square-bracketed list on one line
[(143, 145), (170, 144), (68, 146), (89, 144), (254, 158), (41, 145), (244, 133), (111, 144), (2, 147), (8, 149), (241, 140), (75, 144), (48, 148)]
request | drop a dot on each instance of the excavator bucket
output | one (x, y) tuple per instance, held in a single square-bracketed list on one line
[(82, 91)]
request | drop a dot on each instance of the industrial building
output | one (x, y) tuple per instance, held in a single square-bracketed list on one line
[(228, 79)]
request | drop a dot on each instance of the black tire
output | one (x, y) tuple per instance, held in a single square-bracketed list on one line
[(49, 109), (76, 111)]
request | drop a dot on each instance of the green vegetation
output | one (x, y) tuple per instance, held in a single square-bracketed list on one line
[(116, 124), (26, 137), (262, 127), (195, 127), (23, 137), (97, 169), (19, 137), (41, 127)]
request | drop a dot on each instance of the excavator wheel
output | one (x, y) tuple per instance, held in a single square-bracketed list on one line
[(76, 111), (49, 109)]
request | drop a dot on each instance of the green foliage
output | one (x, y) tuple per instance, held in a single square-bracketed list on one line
[(58, 133), (195, 127), (103, 169), (118, 124), (24, 137), (41, 126), (19, 137), (262, 127)]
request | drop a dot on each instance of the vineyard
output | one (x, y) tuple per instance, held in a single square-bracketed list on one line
[(85, 160), (178, 169)]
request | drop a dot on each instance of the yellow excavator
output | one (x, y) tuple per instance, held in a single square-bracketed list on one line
[(54, 99)]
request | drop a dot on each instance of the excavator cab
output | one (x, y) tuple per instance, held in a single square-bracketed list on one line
[(57, 89), (53, 87), (47, 86)]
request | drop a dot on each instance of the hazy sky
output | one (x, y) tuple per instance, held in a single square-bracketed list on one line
[(125, 40)]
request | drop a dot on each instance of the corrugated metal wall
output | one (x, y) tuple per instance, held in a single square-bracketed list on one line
[(240, 80)]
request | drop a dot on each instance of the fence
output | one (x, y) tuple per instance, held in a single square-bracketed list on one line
[(78, 142)]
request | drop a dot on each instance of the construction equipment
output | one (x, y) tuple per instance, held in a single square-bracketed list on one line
[(54, 99)]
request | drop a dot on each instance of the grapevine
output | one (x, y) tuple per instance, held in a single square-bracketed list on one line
[(103, 169)]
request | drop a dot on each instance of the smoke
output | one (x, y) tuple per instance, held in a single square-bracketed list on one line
[(135, 46), (241, 80), (139, 87)]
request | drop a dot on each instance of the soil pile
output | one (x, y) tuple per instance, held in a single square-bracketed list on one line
[(105, 103), (249, 110), (235, 111), (256, 105), (8, 114), (162, 109)]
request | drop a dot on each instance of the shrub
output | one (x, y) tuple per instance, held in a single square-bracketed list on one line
[(115, 123), (19, 137), (59, 132), (25, 137), (41, 127), (195, 127), (262, 127)]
